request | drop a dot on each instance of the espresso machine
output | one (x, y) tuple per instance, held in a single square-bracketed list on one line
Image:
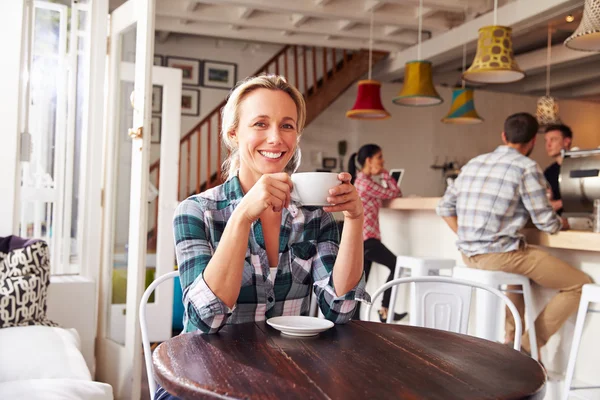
[(579, 182)]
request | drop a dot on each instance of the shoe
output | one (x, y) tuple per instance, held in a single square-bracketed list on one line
[(397, 317)]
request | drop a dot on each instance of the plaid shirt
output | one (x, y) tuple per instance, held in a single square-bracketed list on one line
[(308, 246), (493, 197), (372, 195)]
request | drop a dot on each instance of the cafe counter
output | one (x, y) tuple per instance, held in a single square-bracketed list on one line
[(411, 227)]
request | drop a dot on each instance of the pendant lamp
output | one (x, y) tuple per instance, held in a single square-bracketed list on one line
[(547, 107), (418, 89), (462, 111), (494, 61), (368, 99), (587, 36)]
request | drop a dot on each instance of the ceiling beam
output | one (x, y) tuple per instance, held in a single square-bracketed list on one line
[(260, 35), (578, 91), (217, 16), (520, 14), (336, 11), (560, 54), (455, 6), (299, 19), (246, 12)]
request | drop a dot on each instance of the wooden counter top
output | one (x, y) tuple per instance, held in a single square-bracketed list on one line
[(412, 203), (573, 240)]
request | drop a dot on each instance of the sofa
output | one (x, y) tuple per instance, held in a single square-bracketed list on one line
[(39, 358)]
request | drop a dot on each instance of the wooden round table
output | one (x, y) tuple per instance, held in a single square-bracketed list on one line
[(354, 361)]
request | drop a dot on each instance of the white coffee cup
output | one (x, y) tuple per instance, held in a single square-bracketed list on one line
[(312, 188)]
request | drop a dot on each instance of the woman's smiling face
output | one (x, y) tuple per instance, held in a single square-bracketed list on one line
[(267, 132)]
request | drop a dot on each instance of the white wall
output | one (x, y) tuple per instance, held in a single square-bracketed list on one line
[(414, 138), (248, 57), (11, 21)]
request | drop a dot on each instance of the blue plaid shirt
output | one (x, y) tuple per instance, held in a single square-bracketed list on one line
[(493, 198), (308, 247)]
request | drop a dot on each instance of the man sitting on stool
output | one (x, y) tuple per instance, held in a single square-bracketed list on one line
[(490, 202)]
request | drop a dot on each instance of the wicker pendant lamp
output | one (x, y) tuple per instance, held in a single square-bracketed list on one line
[(547, 107), (494, 61), (587, 36), (418, 89), (462, 111), (368, 99)]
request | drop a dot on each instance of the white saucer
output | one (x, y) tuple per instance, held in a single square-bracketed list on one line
[(299, 325)]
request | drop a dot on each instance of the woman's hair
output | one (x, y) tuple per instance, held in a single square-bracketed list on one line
[(357, 160), (231, 116)]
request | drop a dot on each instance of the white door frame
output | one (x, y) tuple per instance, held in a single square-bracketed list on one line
[(120, 365), (160, 312)]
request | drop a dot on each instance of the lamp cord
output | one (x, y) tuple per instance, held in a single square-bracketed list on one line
[(548, 60), (495, 12), (371, 43), (464, 63), (420, 29)]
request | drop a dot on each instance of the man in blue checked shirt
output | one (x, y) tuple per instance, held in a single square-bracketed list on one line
[(487, 206)]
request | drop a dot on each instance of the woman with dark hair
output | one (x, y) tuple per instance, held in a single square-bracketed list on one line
[(363, 166)]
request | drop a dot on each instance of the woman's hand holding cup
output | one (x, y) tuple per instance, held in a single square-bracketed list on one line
[(270, 191), (345, 198)]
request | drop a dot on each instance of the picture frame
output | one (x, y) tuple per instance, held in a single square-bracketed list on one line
[(155, 128), (329, 163), (158, 60), (190, 102), (157, 99), (190, 68), (219, 74)]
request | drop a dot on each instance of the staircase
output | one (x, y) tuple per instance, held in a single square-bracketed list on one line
[(321, 74)]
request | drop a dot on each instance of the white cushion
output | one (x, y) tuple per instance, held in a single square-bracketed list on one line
[(37, 352), (55, 389)]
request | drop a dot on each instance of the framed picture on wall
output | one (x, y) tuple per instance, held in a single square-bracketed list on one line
[(156, 99), (219, 75), (155, 129), (190, 102), (158, 60), (189, 67)]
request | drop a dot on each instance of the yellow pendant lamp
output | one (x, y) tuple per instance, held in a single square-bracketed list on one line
[(547, 107), (462, 111), (494, 61), (587, 36), (368, 99), (418, 89)]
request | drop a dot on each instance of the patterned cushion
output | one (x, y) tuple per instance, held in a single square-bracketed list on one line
[(24, 280)]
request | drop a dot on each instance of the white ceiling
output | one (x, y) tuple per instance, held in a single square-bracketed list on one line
[(448, 25)]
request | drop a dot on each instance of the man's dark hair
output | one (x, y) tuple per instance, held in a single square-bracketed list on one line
[(520, 128), (564, 129)]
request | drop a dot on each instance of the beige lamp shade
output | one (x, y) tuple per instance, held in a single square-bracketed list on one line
[(587, 36), (462, 111), (547, 111), (418, 89), (494, 61)]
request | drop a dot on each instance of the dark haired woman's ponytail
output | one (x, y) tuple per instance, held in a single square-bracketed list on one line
[(352, 166)]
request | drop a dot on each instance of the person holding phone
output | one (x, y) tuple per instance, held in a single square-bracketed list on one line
[(363, 166)]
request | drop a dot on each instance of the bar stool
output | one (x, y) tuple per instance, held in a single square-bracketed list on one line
[(589, 294), (417, 266), (486, 324)]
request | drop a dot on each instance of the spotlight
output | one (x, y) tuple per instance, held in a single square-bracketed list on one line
[(570, 18)]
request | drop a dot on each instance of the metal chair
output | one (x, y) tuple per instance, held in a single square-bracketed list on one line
[(145, 340), (444, 303)]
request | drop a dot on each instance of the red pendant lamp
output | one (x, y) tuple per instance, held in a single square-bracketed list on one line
[(368, 99)]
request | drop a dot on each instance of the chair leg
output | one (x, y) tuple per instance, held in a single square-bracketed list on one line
[(394, 295), (583, 307), (530, 322)]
